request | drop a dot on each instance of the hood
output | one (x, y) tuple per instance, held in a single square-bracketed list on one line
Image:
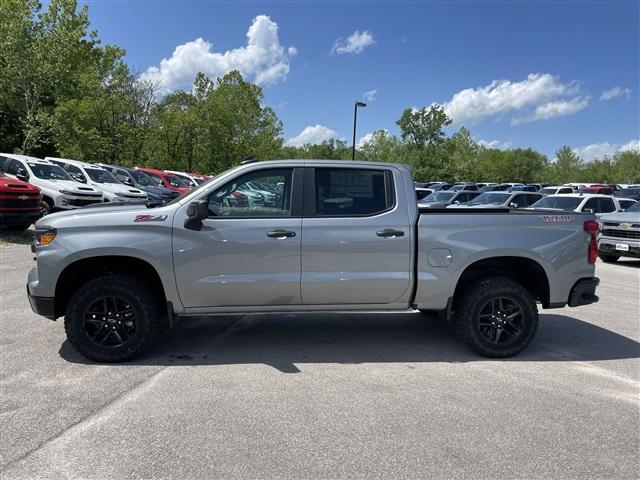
[(69, 185), (626, 217), (119, 188), (161, 191), (14, 185), (101, 215)]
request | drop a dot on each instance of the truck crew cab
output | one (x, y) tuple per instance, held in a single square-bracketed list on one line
[(333, 236)]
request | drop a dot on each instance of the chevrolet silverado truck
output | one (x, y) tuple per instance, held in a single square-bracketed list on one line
[(332, 235), (620, 235)]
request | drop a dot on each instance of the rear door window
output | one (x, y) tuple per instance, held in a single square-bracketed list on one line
[(352, 192), (593, 205), (606, 205)]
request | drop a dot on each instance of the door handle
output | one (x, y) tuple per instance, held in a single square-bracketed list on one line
[(281, 234), (390, 233)]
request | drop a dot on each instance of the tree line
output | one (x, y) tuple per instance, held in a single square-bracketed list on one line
[(63, 93)]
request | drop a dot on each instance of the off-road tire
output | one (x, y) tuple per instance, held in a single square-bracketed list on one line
[(467, 315), (608, 258), (141, 299)]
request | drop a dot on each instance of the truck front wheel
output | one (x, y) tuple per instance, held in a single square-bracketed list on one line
[(497, 317), (112, 318)]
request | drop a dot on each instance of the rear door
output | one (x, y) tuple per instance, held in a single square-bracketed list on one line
[(356, 242)]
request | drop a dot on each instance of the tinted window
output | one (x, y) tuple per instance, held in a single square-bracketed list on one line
[(49, 171), (263, 193), (559, 202), (607, 205), (519, 201), (99, 175), (439, 197), (566, 190), (12, 167), (344, 191), (593, 205)]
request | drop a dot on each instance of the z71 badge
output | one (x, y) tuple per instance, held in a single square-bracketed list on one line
[(150, 218), (558, 218)]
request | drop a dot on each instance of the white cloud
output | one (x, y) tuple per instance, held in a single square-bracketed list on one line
[(633, 145), (312, 135), (499, 144), (504, 97), (263, 59), (554, 108), (369, 96), (355, 43), (604, 149), (367, 138), (616, 92)]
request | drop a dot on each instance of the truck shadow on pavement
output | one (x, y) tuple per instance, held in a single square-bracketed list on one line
[(283, 341)]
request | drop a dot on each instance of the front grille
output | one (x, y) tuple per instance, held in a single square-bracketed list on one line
[(17, 194), (82, 203), (98, 197), (608, 232), (11, 203)]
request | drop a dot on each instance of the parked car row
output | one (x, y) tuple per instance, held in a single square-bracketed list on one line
[(31, 187), (518, 195)]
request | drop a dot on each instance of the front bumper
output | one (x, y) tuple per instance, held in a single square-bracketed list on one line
[(607, 246), (19, 216), (584, 292), (43, 306)]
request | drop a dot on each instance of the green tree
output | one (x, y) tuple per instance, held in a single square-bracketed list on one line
[(424, 127), (567, 166)]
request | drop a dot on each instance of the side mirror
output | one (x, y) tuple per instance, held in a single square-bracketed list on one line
[(588, 210), (513, 205), (126, 181), (78, 177), (22, 174), (457, 202), (196, 212)]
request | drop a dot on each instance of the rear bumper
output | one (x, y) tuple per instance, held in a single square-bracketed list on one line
[(43, 306), (584, 292)]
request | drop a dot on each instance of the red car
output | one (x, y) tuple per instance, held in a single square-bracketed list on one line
[(20, 203), (168, 180), (601, 189)]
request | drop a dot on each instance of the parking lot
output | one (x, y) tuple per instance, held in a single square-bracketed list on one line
[(324, 395)]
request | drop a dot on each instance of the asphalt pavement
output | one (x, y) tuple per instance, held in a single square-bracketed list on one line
[(355, 395)]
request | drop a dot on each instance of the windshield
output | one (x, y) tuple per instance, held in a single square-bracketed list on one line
[(49, 172), (548, 191), (634, 208), (142, 178), (100, 175), (562, 203), (440, 197), (178, 182), (491, 197)]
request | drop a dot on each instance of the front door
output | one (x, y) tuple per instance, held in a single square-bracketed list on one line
[(248, 250), (356, 245)]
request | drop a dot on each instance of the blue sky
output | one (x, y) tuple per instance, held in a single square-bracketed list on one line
[(515, 73)]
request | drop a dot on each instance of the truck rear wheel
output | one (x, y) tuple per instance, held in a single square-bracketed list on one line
[(112, 318), (497, 317)]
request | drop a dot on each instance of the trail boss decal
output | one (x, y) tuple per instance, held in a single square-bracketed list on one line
[(557, 218), (150, 218)]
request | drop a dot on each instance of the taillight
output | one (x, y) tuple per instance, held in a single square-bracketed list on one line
[(592, 228)]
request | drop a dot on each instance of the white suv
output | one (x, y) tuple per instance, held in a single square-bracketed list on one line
[(580, 202), (100, 179), (59, 190)]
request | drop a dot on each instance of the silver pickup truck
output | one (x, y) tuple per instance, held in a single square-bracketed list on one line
[(307, 235)]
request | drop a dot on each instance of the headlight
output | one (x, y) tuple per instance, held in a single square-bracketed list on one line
[(44, 236)]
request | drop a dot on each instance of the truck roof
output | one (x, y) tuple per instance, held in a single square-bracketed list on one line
[(77, 163)]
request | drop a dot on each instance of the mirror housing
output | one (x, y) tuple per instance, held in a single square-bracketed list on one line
[(78, 177), (588, 210), (22, 174), (513, 205), (196, 212), (127, 181)]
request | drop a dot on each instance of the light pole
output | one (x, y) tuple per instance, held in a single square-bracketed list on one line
[(355, 118)]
